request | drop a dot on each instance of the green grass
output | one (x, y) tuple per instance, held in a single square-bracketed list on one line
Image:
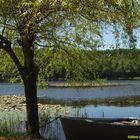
[(10, 126)]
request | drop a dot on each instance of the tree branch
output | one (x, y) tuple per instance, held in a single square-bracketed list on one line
[(6, 46), (10, 26), (4, 26)]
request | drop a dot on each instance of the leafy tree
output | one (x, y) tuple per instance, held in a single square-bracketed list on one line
[(58, 25)]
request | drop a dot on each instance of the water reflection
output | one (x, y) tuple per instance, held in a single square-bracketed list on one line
[(117, 101), (109, 111), (106, 102), (132, 89)]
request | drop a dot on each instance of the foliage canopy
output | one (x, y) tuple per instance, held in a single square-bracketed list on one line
[(59, 25)]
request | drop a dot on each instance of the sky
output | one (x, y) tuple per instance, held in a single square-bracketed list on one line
[(109, 39)]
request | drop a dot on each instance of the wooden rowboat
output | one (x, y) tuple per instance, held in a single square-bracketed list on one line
[(100, 129)]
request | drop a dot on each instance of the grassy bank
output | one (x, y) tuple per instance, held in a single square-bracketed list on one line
[(10, 130), (13, 118), (48, 109)]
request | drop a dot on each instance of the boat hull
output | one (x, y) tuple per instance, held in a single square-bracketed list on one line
[(85, 129)]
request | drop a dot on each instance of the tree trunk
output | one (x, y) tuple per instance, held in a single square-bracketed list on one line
[(30, 86), (29, 73)]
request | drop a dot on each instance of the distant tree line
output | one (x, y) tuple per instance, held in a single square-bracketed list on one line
[(120, 63), (110, 64)]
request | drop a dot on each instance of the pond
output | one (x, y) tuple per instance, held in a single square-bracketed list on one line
[(132, 89), (67, 94), (103, 110)]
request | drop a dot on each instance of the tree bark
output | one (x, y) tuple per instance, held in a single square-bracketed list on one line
[(30, 85), (29, 73)]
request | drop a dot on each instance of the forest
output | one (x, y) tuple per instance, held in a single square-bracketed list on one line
[(109, 64)]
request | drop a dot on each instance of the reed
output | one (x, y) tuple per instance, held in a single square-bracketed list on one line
[(50, 127), (12, 127)]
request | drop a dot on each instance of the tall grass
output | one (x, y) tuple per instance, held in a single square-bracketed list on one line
[(13, 123), (50, 128), (11, 126)]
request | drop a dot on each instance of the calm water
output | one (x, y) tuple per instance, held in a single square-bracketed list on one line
[(102, 111), (133, 88), (98, 111)]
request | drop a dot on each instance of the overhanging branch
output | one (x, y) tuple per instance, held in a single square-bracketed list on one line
[(5, 44)]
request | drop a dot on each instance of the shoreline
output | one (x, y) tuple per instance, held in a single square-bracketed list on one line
[(17, 103), (84, 85), (113, 101)]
